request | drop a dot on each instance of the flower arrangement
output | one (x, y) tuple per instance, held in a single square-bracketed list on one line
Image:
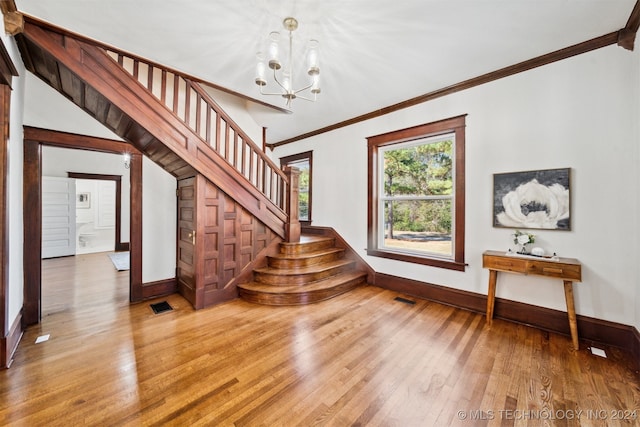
[(520, 238), (523, 239)]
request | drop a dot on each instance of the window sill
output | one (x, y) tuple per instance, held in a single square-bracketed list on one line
[(433, 262)]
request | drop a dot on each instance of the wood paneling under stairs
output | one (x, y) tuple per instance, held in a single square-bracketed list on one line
[(361, 358), (217, 240), (304, 272)]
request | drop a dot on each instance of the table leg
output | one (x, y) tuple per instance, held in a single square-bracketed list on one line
[(491, 294), (571, 312)]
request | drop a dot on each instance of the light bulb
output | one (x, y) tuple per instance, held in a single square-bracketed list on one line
[(274, 61), (313, 58), (315, 85), (260, 70)]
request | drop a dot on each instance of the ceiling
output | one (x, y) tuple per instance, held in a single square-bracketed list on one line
[(373, 53)]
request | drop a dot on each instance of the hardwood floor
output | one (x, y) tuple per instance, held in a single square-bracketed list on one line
[(82, 281), (359, 359)]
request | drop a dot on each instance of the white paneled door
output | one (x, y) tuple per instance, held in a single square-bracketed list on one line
[(58, 216)]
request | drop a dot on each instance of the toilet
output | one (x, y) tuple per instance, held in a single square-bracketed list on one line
[(84, 238)]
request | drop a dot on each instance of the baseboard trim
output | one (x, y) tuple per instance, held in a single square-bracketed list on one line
[(11, 341), (636, 345), (591, 330), (159, 288), (122, 246)]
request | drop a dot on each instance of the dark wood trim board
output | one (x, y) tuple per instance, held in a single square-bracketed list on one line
[(159, 288), (9, 343)]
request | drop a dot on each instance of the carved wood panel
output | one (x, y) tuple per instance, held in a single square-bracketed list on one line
[(213, 205), (228, 239)]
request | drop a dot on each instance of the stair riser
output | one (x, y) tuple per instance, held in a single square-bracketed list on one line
[(303, 248), (299, 279), (302, 297), (304, 272), (303, 262)]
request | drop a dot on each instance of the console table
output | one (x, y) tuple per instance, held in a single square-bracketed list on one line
[(567, 269)]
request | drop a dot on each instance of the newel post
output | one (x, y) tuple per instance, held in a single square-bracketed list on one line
[(292, 228)]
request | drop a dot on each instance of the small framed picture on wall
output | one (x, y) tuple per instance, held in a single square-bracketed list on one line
[(83, 200)]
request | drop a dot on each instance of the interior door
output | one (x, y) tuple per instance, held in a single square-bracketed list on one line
[(187, 261), (58, 217)]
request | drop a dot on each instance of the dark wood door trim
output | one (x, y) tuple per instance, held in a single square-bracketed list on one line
[(9, 334), (136, 287), (119, 246), (5, 351), (32, 219), (34, 139)]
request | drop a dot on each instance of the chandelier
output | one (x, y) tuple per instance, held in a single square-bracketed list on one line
[(283, 73)]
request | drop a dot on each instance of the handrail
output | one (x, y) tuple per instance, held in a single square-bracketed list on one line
[(191, 104)]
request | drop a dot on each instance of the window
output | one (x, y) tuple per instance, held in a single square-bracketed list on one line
[(303, 162), (416, 194)]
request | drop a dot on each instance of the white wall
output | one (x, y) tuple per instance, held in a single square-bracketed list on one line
[(45, 108), (14, 186), (579, 113), (58, 161), (237, 109)]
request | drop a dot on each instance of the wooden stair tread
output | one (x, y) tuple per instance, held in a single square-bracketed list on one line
[(308, 238), (306, 244), (311, 269), (312, 254), (322, 284), (305, 272)]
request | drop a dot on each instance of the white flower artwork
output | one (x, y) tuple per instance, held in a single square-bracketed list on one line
[(534, 199)]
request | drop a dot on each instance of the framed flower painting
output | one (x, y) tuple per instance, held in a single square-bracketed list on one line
[(532, 199)]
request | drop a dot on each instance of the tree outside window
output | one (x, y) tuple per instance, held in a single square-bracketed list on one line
[(417, 194), (416, 189), (303, 162)]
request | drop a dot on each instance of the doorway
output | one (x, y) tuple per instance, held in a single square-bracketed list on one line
[(81, 230), (95, 215), (109, 210), (34, 141)]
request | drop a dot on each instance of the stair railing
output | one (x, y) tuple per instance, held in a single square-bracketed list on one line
[(191, 104)]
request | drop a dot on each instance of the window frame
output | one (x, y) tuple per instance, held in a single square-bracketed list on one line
[(454, 125), (307, 155)]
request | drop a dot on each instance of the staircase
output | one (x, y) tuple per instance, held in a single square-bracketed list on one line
[(164, 114), (304, 272), (243, 204)]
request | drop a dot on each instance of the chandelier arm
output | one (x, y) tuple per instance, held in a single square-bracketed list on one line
[(303, 89), (286, 81), (314, 99), (275, 77), (268, 93)]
